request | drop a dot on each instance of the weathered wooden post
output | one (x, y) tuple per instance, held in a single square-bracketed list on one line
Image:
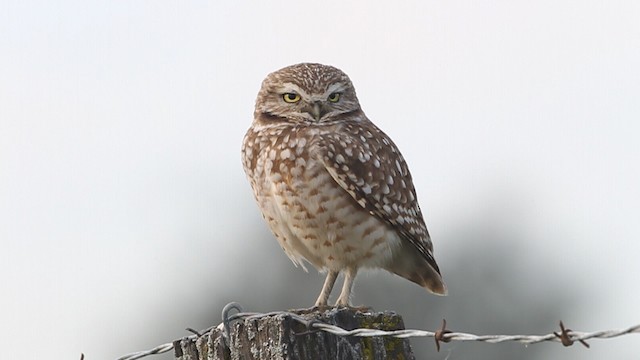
[(280, 336)]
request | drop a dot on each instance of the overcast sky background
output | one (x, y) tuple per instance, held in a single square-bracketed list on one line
[(125, 215)]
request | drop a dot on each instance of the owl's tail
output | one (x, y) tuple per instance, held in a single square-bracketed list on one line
[(411, 265)]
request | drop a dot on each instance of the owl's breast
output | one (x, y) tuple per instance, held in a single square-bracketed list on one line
[(312, 217)]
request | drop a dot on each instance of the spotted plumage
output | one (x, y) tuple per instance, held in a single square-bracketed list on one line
[(333, 188)]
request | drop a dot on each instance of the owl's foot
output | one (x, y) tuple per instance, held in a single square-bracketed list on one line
[(325, 308)]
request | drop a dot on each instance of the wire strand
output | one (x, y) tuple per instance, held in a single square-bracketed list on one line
[(566, 336)]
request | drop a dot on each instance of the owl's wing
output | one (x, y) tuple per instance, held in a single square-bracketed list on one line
[(367, 164)]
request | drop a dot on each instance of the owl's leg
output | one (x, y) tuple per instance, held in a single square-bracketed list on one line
[(326, 288), (349, 277)]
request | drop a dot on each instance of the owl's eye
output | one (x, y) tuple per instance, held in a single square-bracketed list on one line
[(291, 97), (334, 97)]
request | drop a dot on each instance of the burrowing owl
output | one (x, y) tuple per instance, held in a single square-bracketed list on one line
[(334, 189)]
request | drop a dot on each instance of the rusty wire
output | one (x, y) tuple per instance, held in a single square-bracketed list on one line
[(566, 336)]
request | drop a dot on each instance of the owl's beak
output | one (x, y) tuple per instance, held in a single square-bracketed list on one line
[(317, 110)]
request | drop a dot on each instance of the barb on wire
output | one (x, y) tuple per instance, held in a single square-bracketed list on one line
[(566, 339), (194, 331), (439, 335), (566, 336)]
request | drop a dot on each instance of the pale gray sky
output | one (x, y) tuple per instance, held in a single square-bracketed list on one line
[(125, 215)]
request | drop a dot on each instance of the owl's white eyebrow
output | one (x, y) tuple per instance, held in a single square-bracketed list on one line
[(337, 87), (290, 87)]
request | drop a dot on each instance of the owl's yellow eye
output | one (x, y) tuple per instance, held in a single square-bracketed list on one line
[(334, 97), (291, 97)]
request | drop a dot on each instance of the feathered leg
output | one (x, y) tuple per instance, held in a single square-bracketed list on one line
[(326, 288), (349, 277)]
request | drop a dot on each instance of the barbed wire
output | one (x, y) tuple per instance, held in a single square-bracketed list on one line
[(566, 336)]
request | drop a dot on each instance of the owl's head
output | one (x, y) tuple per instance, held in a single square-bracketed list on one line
[(307, 93)]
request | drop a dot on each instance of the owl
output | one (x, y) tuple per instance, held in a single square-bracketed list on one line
[(332, 187)]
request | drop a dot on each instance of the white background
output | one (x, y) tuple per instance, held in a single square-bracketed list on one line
[(125, 215)]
